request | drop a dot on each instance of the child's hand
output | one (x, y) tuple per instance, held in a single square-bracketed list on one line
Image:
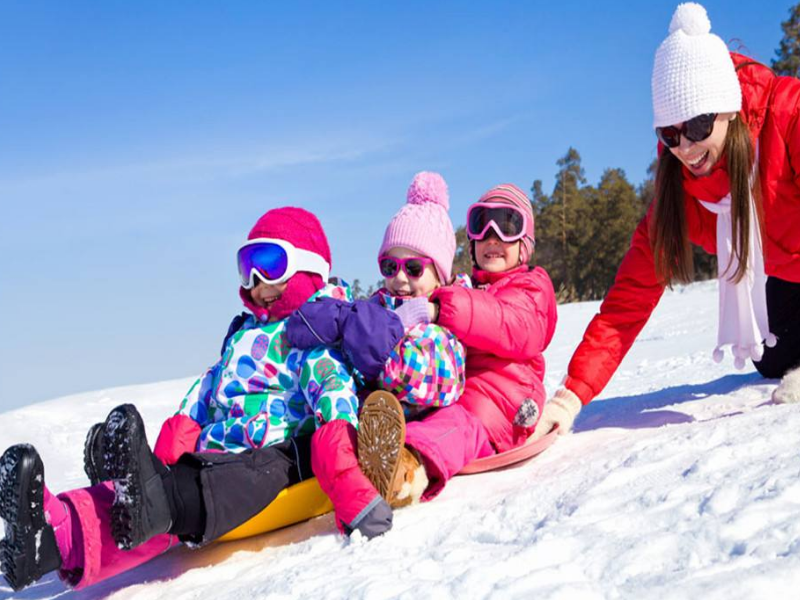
[(316, 324), (560, 410), (414, 311)]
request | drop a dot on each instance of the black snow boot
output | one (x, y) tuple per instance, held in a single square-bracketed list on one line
[(141, 509), (28, 551), (94, 464)]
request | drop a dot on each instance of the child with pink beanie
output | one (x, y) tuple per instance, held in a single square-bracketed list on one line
[(419, 363)]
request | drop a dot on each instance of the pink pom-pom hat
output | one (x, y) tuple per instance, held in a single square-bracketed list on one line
[(423, 224)]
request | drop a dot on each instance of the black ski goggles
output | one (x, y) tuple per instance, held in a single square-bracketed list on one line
[(694, 130)]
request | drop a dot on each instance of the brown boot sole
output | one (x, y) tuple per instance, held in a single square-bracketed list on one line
[(381, 435)]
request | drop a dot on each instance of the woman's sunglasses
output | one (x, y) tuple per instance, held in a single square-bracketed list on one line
[(694, 130), (414, 266)]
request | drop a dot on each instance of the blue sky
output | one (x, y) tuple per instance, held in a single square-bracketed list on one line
[(140, 141)]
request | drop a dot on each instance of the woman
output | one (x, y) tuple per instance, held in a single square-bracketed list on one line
[(728, 179)]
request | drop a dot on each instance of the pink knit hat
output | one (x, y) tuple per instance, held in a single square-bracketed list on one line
[(303, 230), (423, 224), (511, 194)]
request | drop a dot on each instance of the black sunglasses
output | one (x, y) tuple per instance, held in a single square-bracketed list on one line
[(694, 130)]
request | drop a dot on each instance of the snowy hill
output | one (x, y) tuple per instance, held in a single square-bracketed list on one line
[(681, 481)]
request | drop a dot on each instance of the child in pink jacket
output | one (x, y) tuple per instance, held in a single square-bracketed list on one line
[(505, 323)]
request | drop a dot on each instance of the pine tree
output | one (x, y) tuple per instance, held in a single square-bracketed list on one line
[(558, 227), (358, 292), (611, 214), (787, 61), (647, 189), (538, 199), (462, 263)]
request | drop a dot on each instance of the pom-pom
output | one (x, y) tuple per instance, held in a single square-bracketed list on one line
[(718, 355), (771, 340), (756, 352), (428, 187), (738, 362), (691, 18)]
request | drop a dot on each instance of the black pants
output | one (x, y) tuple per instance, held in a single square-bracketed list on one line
[(783, 310), (216, 492)]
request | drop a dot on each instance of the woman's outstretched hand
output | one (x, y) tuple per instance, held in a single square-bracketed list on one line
[(560, 410)]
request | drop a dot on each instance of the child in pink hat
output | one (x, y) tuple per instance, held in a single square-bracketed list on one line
[(243, 433), (419, 363)]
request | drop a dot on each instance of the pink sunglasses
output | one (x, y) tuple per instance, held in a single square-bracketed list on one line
[(414, 266)]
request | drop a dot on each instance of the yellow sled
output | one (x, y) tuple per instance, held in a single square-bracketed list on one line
[(300, 502), (306, 499)]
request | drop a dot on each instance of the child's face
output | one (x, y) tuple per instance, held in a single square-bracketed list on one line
[(494, 255), (403, 285), (265, 294)]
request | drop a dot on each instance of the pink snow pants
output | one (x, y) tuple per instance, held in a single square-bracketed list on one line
[(95, 555), (448, 439)]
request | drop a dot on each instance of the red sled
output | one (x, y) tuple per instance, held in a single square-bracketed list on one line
[(511, 457)]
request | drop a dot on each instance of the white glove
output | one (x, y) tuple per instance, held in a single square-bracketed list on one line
[(788, 392), (560, 410)]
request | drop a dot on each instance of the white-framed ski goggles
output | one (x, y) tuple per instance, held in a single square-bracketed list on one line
[(274, 261)]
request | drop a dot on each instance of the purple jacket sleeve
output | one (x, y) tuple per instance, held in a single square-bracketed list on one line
[(365, 331)]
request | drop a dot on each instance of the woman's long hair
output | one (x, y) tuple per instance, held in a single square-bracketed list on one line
[(669, 237)]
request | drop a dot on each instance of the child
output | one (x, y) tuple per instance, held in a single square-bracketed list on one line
[(419, 362), (261, 405), (505, 323)]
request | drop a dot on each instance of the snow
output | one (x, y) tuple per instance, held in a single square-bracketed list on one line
[(682, 480)]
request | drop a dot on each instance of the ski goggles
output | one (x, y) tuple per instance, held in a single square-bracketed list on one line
[(275, 261), (413, 266), (507, 221), (694, 130)]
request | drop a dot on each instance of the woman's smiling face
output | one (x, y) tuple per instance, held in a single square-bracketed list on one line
[(700, 157)]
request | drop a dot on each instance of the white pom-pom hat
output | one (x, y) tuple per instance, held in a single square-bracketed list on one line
[(693, 73), (424, 225)]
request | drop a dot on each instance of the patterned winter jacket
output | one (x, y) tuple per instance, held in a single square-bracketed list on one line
[(262, 391), (427, 367)]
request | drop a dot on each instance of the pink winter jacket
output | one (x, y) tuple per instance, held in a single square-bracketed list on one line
[(505, 325)]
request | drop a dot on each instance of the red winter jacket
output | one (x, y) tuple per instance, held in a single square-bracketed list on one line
[(505, 327), (770, 107)]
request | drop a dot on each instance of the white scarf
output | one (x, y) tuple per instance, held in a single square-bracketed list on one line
[(743, 319)]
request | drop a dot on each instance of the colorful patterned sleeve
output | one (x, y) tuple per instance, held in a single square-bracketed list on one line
[(196, 402), (426, 368), (328, 386)]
